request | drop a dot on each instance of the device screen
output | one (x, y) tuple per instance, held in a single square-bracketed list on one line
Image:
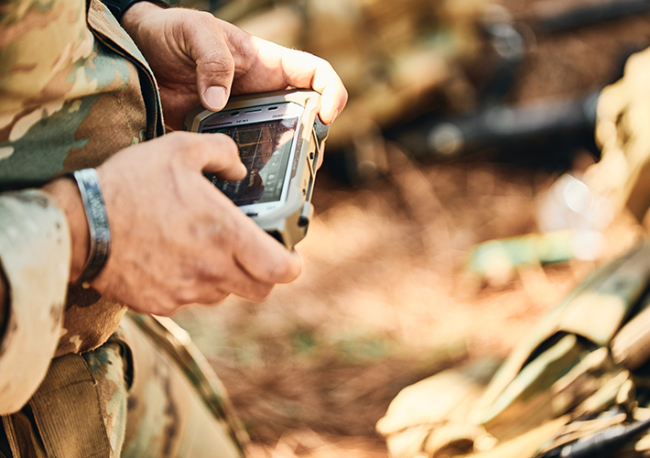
[(265, 150)]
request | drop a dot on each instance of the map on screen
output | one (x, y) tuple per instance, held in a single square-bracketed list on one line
[(265, 150)]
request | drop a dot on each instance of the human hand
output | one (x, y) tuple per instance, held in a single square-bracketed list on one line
[(198, 58), (175, 238)]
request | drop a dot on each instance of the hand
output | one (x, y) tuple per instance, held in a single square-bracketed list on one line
[(176, 239), (198, 58)]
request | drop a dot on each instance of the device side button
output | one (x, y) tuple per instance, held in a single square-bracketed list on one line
[(306, 213)]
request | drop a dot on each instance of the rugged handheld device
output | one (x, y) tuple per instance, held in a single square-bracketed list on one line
[(280, 139)]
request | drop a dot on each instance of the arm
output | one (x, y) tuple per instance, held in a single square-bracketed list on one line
[(176, 240), (35, 255)]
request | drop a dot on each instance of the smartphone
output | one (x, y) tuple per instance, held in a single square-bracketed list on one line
[(280, 139)]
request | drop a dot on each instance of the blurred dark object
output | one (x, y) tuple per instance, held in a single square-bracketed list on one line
[(462, 58), (538, 134), (603, 444), (547, 133), (549, 20)]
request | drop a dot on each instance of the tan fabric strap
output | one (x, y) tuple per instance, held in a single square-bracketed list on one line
[(67, 412)]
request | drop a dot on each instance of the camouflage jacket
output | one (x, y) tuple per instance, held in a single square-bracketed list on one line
[(74, 89), (77, 380)]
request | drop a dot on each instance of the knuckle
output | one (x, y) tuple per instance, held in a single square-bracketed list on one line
[(229, 235), (191, 148), (213, 272), (281, 272), (179, 138), (219, 297), (184, 143), (220, 65), (226, 144), (218, 62), (261, 293), (185, 296), (206, 17)]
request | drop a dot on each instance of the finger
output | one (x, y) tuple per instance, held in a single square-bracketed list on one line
[(263, 258), (304, 70), (213, 153), (236, 280), (196, 295), (214, 62)]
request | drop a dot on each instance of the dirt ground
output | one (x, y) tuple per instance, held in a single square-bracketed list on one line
[(385, 298)]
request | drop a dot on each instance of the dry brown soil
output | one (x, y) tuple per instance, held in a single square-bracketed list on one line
[(385, 298)]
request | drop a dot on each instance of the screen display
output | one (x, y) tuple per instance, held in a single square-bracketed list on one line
[(265, 150)]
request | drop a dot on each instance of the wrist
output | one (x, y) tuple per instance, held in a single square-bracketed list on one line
[(66, 193)]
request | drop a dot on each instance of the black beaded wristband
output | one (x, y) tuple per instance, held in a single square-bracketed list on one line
[(100, 236)]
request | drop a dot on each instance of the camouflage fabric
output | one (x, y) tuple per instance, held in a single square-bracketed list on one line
[(582, 369), (75, 89), (66, 106), (623, 135), (132, 397)]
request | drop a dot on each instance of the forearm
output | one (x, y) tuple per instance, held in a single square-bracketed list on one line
[(66, 195)]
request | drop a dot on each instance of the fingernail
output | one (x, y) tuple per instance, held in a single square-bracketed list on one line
[(215, 97)]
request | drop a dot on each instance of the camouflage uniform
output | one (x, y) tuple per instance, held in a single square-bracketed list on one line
[(77, 379)]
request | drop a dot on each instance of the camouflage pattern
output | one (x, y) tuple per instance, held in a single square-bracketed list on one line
[(75, 89), (132, 397), (29, 220), (66, 106), (583, 368), (622, 133)]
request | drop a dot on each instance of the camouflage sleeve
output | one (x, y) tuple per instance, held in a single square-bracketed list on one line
[(35, 258)]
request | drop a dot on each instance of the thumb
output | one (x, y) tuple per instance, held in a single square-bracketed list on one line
[(215, 66)]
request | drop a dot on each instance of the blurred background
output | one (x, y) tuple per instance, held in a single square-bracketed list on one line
[(452, 209)]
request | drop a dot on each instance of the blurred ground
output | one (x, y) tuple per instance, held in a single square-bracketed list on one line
[(384, 299)]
